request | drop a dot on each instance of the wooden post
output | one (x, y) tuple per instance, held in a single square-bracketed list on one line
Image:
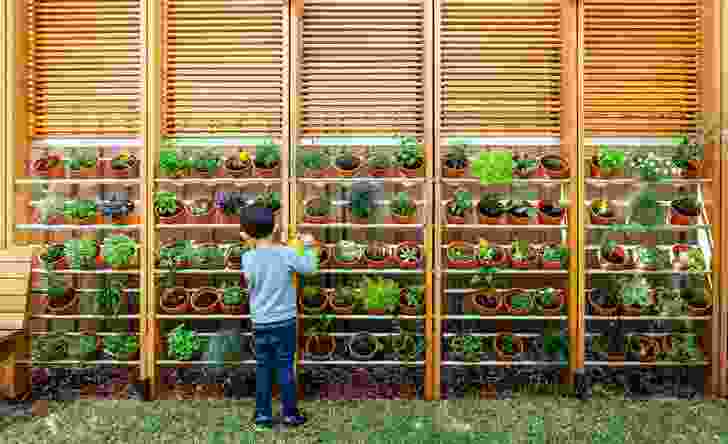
[(720, 293)]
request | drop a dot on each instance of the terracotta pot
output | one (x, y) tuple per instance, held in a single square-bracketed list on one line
[(313, 174), (482, 309), (454, 172), (177, 309), (339, 309), (502, 261), (376, 311), (677, 218), (488, 391), (325, 298), (649, 348), (563, 173), (408, 265), (412, 173), (232, 309), (517, 220), (179, 218), (487, 220), (69, 303), (85, 173), (350, 173), (615, 356), (518, 347), (124, 172), (404, 220), (246, 171), (404, 308), (462, 264), (545, 219), (382, 172), (608, 265), (601, 310), (224, 219), (204, 291), (56, 172), (694, 310), (384, 263), (695, 170), (204, 219), (407, 391), (352, 264), (453, 220), (554, 310), (320, 345), (630, 310), (507, 302), (267, 172)]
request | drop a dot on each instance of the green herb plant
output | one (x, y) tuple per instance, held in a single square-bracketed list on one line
[(381, 293), (119, 250), (402, 205), (79, 209), (81, 157), (462, 202), (267, 154), (165, 202), (51, 205), (80, 253), (410, 154), (270, 199), (183, 343), (121, 346), (494, 167)]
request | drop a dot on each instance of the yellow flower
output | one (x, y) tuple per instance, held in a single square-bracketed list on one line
[(244, 156), (124, 155)]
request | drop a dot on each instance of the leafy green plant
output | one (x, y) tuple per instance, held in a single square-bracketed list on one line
[(80, 253), (381, 293), (553, 253), (459, 253), (381, 160), (201, 207), (462, 202), (547, 297), (686, 152), (121, 346), (457, 156), (687, 202), (471, 347), (173, 255), (267, 154), (362, 203), (696, 260), (521, 301), (207, 159), (635, 291), (165, 202), (314, 160), (346, 159), (173, 161), (81, 157), (524, 164), (50, 206), (520, 250), (87, 345), (644, 209), (270, 199), (119, 250), (108, 298), (54, 284), (685, 348), (183, 343), (507, 344), (410, 154), (79, 209), (488, 252), (649, 167), (494, 167), (348, 251), (232, 295), (553, 344), (609, 250), (52, 253), (51, 347), (491, 204), (648, 255), (208, 257), (415, 295), (402, 205), (319, 207), (409, 254), (610, 159)]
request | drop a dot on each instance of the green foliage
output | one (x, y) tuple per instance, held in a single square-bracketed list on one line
[(608, 248), (87, 345), (79, 209), (166, 203), (172, 161), (267, 154), (270, 199), (183, 343), (635, 291), (348, 251), (207, 159), (688, 202), (696, 260), (232, 295), (51, 205), (686, 152), (415, 295), (520, 250), (81, 157), (319, 207), (381, 293), (547, 297), (208, 257), (54, 283), (521, 301), (171, 256), (409, 254), (556, 253), (108, 298), (554, 344), (118, 250), (314, 160), (410, 154), (610, 159), (362, 202), (321, 326), (381, 160), (462, 202), (402, 205), (458, 253), (524, 164), (507, 344), (457, 154), (644, 209), (494, 167), (51, 347), (80, 253), (121, 345), (52, 253)]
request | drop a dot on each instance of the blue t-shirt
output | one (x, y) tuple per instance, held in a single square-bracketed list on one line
[(270, 285)]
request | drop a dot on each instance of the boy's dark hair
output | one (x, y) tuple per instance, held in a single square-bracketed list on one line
[(257, 221)]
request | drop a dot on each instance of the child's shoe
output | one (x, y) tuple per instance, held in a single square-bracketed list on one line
[(294, 420), (263, 424)]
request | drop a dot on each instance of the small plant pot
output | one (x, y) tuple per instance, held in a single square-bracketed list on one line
[(700, 310), (518, 220), (484, 219), (58, 264), (641, 266), (501, 261), (405, 308), (677, 263), (68, 304), (552, 265), (267, 172), (412, 172), (601, 310), (486, 302), (517, 311), (225, 219), (206, 218), (179, 218), (378, 263), (488, 391), (407, 391), (561, 173), (525, 264), (382, 172), (455, 172), (131, 264), (555, 308), (635, 310), (680, 217), (357, 349), (546, 217), (318, 307), (606, 264), (206, 300), (175, 300), (376, 311), (124, 173), (406, 264), (693, 171), (324, 254), (649, 349), (85, 173), (40, 168), (404, 220), (453, 220), (231, 309), (320, 347), (350, 264), (340, 172), (459, 263), (337, 308), (245, 171), (518, 347)]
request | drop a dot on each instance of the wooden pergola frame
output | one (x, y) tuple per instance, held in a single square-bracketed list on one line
[(14, 131)]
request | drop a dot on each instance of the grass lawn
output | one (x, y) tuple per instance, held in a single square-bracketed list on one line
[(523, 419)]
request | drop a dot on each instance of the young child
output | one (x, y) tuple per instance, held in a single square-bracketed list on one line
[(268, 269)]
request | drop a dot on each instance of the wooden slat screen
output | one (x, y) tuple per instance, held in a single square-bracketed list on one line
[(499, 67), (362, 67), (642, 60), (84, 71), (224, 66)]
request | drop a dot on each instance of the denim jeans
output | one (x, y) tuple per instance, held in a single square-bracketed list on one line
[(275, 348)]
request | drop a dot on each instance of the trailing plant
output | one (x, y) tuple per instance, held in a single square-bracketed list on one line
[(462, 202), (267, 154), (183, 343), (119, 250), (410, 154), (402, 205), (165, 202)]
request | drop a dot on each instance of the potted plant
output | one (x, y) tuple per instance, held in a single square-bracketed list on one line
[(174, 163), (364, 346), (121, 347), (317, 211), (234, 254), (49, 210), (456, 161), (404, 210), (209, 256), (169, 209), (411, 301), (123, 165), (682, 347), (183, 343), (524, 167), (408, 255), (381, 164), (80, 212), (377, 255), (238, 166), (684, 210), (83, 162), (518, 302), (205, 300), (362, 204), (522, 255), (698, 302), (688, 160), (175, 300), (507, 345), (635, 295), (549, 300), (603, 301), (315, 163), (49, 347), (234, 299), (550, 213), (613, 256), (271, 200), (50, 165), (465, 348), (602, 212), (229, 205), (59, 298), (555, 346), (608, 163), (52, 256), (410, 157), (120, 252), (459, 206), (492, 256), (348, 253), (87, 347), (324, 254), (647, 258), (382, 295), (555, 257), (202, 211), (461, 255), (342, 299), (486, 302), (267, 159), (405, 346), (554, 166), (109, 298), (314, 300), (80, 253), (520, 212), (645, 347), (491, 209), (346, 163), (648, 167), (319, 343), (177, 254)]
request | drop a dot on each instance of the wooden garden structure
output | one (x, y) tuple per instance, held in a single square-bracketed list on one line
[(308, 73)]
